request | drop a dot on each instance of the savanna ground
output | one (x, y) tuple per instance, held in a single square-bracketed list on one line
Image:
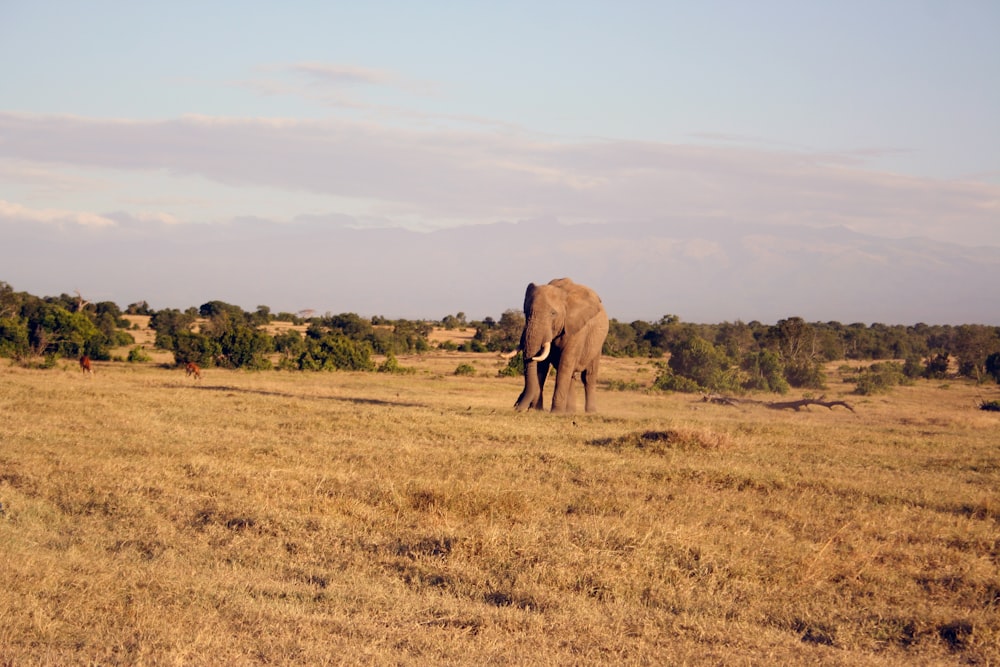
[(345, 518)]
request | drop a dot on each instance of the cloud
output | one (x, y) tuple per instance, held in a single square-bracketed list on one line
[(714, 272), (335, 85), (11, 212), (337, 76), (343, 74), (448, 176), (157, 217), (42, 178)]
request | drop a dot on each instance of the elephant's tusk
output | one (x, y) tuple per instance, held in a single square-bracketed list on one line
[(544, 354), (508, 355)]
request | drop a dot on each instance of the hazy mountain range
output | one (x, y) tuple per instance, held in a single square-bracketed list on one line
[(703, 271)]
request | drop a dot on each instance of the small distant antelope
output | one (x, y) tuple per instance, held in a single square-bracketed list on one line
[(85, 365), (193, 369)]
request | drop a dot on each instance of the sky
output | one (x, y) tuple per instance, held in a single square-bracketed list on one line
[(808, 142)]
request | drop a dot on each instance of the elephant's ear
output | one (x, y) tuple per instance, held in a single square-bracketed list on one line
[(529, 296), (582, 305)]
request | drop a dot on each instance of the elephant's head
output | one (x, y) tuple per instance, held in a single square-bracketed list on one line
[(554, 314), (544, 319)]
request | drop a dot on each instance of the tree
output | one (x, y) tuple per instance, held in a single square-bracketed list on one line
[(796, 342), (764, 372), (736, 339), (857, 341), (937, 366), (456, 321), (350, 324), (245, 347), (214, 309), (973, 344), (10, 301), (261, 316), (52, 329), (196, 347), (14, 339), (168, 323), (993, 366), (504, 335), (138, 308), (620, 341)]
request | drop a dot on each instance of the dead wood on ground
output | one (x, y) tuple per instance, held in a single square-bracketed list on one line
[(777, 405)]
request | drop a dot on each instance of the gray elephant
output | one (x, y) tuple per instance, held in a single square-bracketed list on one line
[(565, 327)]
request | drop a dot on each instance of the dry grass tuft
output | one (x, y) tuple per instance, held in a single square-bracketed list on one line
[(661, 441)]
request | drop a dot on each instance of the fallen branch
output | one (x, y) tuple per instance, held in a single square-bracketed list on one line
[(798, 405), (777, 405), (721, 400)]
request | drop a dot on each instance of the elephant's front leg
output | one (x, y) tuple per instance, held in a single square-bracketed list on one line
[(562, 397), (543, 374)]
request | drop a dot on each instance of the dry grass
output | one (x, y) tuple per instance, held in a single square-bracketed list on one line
[(339, 518), (440, 335)]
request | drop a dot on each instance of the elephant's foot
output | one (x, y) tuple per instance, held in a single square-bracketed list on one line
[(522, 406)]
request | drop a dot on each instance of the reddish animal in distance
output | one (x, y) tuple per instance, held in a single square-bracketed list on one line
[(193, 369), (85, 365)]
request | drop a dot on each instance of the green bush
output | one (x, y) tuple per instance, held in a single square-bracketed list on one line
[(465, 369), (472, 346), (622, 385), (698, 365), (335, 351), (698, 360), (287, 364), (391, 365), (913, 367), (121, 338), (668, 380), (138, 355), (937, 367), (806, 374), (880, 378), (514, 367)]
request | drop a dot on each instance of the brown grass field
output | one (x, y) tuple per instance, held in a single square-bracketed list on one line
[(363, 518)]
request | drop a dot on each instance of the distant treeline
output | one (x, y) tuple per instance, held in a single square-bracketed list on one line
[(731, 356)]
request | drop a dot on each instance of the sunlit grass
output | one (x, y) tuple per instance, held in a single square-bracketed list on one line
[(411, 519)]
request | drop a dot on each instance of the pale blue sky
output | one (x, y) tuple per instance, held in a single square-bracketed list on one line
[(878, 117), (921, 78)]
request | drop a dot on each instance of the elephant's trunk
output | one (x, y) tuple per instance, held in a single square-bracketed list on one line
[(536, 341), (536, 344), (544, 354), (530, 397)]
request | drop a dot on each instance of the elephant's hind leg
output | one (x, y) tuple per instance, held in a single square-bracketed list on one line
[(589, 378)]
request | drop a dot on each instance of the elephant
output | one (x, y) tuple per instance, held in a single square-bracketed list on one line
[(565, 327)]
